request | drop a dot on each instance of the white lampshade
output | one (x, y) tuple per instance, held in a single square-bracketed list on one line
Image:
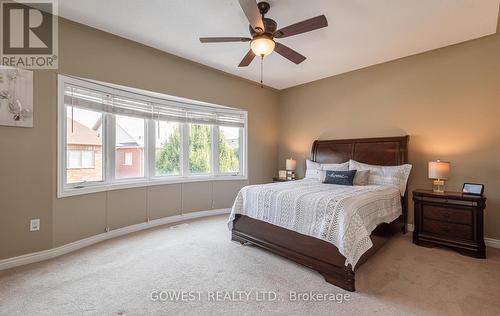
[(291, 164), (439, 170), (262, 45)]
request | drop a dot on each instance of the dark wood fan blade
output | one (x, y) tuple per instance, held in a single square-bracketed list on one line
[(247, 59), (252, 12), (302, 27), (289, 53), (224, 39)]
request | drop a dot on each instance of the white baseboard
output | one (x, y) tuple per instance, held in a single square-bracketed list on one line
[(493, 243), (490, 242), (64, 249)]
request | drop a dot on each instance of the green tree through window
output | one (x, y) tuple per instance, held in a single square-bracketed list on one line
[(168, 157), (229, 160), (200, 148)]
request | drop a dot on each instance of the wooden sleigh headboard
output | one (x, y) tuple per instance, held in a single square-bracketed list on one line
[(386, 151)]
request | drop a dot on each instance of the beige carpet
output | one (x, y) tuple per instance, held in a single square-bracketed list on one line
[(117, 277)]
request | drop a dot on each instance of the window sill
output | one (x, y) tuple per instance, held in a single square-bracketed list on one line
[(66, 192)]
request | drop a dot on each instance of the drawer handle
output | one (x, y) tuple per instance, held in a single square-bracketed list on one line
[(446, 215)]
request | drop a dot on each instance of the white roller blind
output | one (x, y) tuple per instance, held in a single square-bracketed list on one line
[(85, 98), (171, 114), (167, 111), (199, 117), (131, 107), (230, 119)]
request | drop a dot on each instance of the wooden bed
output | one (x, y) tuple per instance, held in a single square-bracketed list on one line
[(317, 254)]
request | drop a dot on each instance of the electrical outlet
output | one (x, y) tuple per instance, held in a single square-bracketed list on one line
[(34, 225)]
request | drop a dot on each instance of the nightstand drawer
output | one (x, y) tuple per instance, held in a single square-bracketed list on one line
[(448, 214), (448, 201), (447, 229)]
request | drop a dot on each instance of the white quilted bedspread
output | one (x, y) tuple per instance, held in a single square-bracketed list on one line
[(342, 215)]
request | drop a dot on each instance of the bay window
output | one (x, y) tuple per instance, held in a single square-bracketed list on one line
[(112, 137)]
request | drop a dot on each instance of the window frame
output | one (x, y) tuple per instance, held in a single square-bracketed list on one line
[(240, 149), (109, 182), (62, 184), (112, 147)]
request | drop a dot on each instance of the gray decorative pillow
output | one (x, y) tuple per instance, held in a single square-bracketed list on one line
[(361, 177), (339, 177), (332, 166)]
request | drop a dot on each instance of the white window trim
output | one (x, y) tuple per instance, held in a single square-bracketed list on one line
[(149, 179)]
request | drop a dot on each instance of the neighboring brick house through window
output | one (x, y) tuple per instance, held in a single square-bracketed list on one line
[(129, 154), (84, 153)]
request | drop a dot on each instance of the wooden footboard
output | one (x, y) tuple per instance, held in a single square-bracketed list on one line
[(314, 253)]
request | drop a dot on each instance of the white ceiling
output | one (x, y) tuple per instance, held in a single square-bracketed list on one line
[(360, 32)]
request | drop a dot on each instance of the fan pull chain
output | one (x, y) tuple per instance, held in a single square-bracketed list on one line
[(262, 71)]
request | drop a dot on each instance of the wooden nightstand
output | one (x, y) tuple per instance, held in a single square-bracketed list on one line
[(450, 219)]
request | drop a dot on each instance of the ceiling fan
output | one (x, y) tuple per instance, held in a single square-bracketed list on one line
[(264, 31)]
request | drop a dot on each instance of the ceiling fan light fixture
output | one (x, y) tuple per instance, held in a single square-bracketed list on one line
[(262, 45)]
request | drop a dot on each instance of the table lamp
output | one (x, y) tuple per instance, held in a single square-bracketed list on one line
[(291, 164), (439, 171)]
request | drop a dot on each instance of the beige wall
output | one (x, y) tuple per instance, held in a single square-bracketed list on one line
[(447, 100), (28, 156), (26, 173)]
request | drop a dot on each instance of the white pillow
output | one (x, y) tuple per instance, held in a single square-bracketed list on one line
[(361, 177), (335, 166), (313, 169), (385, 175)]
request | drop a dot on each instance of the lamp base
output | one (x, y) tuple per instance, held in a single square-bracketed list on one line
[(438, 186), (290, 175)]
